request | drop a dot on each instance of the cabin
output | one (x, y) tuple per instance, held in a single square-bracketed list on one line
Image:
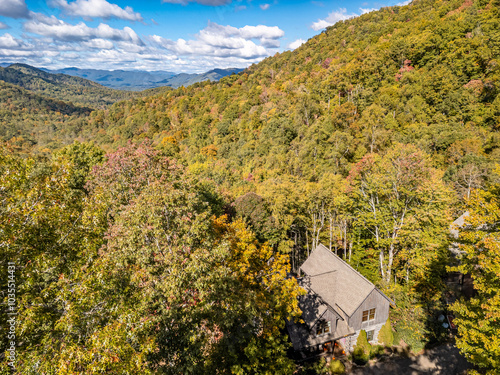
[(339, 303), (455, 228)]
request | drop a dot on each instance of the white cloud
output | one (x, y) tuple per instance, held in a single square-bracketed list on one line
[(4, 26), (60, 30), (264, 6), (333, 18), (296, 44), (8, 54), (14, 9), (53, 43), (220, 48), (403, 3), (213, 3), (96, 9), (366, 10), (226, 41), (99, 44), (8, 41)]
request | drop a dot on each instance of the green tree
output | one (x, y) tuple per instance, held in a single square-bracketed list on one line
[(167, 287), (362, 350), (478, 319), (385, 335), (401, 203)]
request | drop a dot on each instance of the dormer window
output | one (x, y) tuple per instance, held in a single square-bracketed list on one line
[(323, 328), (368, 315)]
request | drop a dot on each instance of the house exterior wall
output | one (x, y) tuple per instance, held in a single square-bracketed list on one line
[(332, 317), (350, 342), (381, 305), (374, 300)]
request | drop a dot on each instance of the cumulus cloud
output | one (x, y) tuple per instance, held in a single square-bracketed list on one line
[(213, 3), (99, 44), (264, 6), (3, 26), (60, 30), (335, 16), (366, 10), (53, 43), (225, 41), (8, 41), (14, 9), (96, 9), (296, 44), (403, 3)]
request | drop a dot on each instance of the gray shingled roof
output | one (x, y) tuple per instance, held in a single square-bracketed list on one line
[(313, 309), (457, 224), (312, 305), (345, 287), (302, 337)]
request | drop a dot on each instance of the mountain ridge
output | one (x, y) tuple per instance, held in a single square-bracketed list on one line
[(137, 80), (64, 87)]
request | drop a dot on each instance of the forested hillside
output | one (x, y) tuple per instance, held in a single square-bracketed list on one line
[(425, 74), (76, 90), (42, 112), (28, 119), (368, 138), (170, 253)]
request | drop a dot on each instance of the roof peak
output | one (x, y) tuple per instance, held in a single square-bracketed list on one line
[(343, 262)]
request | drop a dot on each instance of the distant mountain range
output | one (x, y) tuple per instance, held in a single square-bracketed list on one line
[(141, 80), (79, 91)]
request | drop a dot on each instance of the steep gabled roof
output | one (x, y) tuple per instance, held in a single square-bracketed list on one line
[(336, 281), (312, 305), (314, 308), (458, 224)]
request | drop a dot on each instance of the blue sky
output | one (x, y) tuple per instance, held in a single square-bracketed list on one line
[(171, 35)]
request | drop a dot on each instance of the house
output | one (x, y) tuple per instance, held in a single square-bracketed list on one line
[(339, 303), (455, 228)]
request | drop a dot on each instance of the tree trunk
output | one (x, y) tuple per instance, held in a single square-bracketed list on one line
[(381, 258), (389, 263)]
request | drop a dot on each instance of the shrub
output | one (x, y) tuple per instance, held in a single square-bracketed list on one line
[(336, 367), (376, 351), (359, 357), (362, 350), (386, 336), (362, 341)]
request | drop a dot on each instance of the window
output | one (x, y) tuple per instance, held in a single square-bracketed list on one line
[(323, 328), (368, 315), (369, 335)]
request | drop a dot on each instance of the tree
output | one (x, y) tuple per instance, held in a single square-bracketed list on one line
[(362, 350), (385, 335), (43, 231), (254, 210), (478, 319), (166, 287), (401, 204)]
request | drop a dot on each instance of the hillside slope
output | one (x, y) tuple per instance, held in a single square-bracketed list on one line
[(28, 119), (61, 87), (184, 79), (426, 74)]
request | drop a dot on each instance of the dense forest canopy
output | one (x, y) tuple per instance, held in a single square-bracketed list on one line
[(175, 246)]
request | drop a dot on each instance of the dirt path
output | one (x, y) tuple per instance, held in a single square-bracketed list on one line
[(442, 360)]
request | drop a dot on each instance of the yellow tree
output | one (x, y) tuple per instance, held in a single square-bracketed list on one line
[(478, 319)]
